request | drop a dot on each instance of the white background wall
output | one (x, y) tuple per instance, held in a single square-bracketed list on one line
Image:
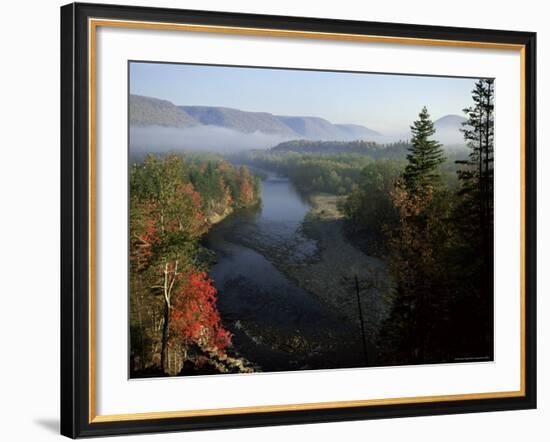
[(29, 219)]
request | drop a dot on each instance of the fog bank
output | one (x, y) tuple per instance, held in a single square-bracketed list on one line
[(156, 139)]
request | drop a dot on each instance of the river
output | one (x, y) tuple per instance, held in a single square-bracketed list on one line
[(276, 325)]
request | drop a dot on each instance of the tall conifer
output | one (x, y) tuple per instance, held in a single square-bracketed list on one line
[(425, 155), (477, 174)]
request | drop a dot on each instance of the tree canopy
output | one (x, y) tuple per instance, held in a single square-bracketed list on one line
[(425, 154)]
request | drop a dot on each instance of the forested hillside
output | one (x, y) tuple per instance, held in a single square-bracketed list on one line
[(374, 150), (146, 111), (437, 240), (174, 322), (239, 120), (309, 172)]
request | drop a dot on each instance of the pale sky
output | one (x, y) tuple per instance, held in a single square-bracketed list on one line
[(384, 102)]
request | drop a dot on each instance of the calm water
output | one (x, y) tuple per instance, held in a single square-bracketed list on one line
[(276, 324)]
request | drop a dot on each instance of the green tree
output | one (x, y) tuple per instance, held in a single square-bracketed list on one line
[(415, 245), (473, 223), (476, 174), (425, 155), (369, 207), (171, 199)]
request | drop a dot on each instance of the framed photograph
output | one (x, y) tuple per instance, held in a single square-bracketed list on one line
[(274, 220)]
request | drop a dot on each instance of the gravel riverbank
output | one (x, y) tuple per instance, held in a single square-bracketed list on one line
[(330, 275)]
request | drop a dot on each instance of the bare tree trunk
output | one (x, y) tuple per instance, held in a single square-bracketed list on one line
[(167, 291), (165, 331)]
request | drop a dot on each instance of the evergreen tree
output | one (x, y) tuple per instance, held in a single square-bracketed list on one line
[(416, 324), (477, 174), (425, 154), (473, 217)]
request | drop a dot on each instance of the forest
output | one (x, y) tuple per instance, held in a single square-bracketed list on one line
[(311, 172), (429, 216), (396, 150), (174, 323), (338, 172), (439, 242), (423, 211)]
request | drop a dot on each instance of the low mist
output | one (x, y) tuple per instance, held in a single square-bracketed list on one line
[(156, 139), (451, 138)]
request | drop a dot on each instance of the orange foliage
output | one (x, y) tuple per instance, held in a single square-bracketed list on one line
[(246, 189), (227, 200)]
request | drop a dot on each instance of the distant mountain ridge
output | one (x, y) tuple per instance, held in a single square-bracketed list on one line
[(449, 121), (447, 130), (148, 111), (158, 124), (242, 121)]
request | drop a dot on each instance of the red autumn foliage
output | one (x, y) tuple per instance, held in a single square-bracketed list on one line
[(194, 317)]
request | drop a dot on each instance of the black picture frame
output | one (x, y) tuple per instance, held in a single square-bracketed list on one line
[(76, 403)]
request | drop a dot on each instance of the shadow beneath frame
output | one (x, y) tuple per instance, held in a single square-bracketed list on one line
[(51, 424)]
